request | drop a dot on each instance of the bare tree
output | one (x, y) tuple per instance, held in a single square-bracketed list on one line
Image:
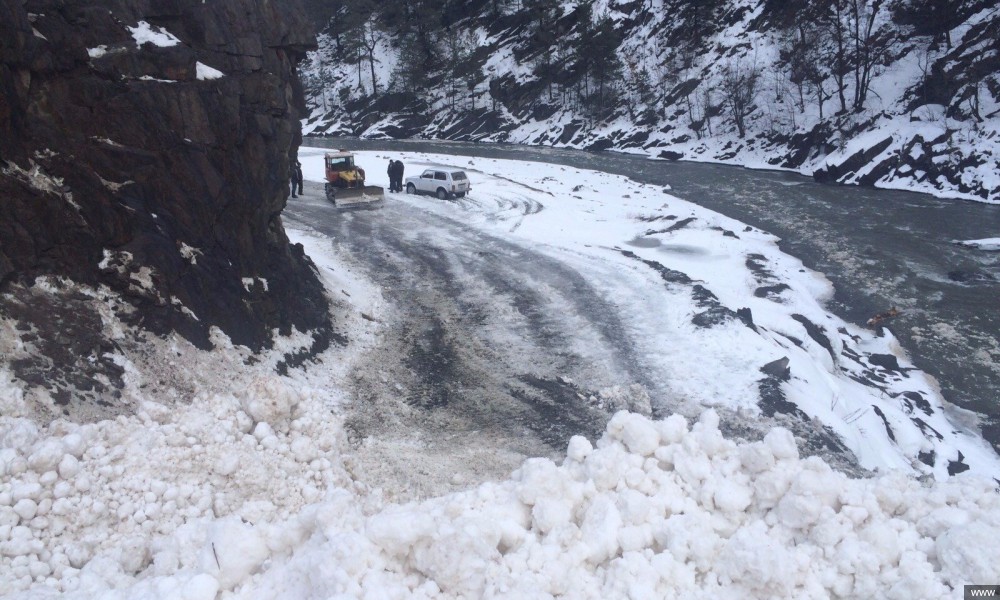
[(872, 45), (835, 19), (781, 112), (860, 46), (817, 85), (701, 106), (739, 91), (808, 63), (459, 48), (708, 107), (371, 36), (353, 49), (798, 67)]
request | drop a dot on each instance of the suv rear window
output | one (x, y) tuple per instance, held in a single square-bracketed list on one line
[(459, 176)]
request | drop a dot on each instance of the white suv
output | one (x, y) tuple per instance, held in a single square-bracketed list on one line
[(443, 182)]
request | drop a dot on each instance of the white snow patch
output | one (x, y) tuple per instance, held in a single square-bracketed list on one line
[(191, 253), (175, 301), (144, 33), (251, 282), (992, 244), (37, 178), (206, 72)]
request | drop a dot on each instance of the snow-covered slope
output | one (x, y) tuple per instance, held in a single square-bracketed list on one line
[(230, 479), (929, 122)]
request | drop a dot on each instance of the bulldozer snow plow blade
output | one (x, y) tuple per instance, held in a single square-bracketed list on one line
[(369, 196)]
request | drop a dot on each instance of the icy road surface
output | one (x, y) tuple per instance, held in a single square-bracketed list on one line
[(551, 297), (487, 344)]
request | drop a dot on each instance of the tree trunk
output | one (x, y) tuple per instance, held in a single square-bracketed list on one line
[(371, 64)]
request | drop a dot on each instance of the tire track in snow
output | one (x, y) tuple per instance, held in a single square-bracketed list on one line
[(492, 352)]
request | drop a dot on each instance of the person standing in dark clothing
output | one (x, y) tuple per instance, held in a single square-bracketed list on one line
[(297, 170), (396, 176), (292, 179)]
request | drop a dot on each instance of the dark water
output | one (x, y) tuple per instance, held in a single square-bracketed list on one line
[(880, 248)]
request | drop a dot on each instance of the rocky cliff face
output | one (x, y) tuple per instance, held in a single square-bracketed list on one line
[(144, 154)]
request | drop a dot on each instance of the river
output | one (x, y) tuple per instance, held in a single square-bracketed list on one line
[(881, 249)]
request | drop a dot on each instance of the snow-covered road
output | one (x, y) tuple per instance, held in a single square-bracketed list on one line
[(485, 340), (489, 346), (549, 297)]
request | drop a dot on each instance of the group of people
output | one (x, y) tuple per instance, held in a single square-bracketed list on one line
[(395, 172), (295, 178)]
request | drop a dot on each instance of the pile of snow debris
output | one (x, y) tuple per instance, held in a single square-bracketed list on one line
[(82, 506), (656, 509)]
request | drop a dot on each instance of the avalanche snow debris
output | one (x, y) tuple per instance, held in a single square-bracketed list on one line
[(672, 509)]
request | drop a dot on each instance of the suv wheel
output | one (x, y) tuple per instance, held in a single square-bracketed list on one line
[(442, 193), (411, 189)]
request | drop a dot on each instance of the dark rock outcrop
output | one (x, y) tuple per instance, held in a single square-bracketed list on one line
[(852, 164), (155, 164)]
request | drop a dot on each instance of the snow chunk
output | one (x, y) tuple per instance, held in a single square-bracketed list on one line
[(233, 550), (579, 448), (636, 432), (26, 509), (970, 553), (600, 529), (46, 456), (269, 400), (227, 464), (200, 587), (69, 466), (17, 433), (782, 443)]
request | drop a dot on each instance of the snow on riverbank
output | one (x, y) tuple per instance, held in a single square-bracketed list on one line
[(992, 244), (241, 482)]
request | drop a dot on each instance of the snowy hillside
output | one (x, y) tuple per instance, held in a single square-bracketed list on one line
[(257, 492), (911, 100)]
